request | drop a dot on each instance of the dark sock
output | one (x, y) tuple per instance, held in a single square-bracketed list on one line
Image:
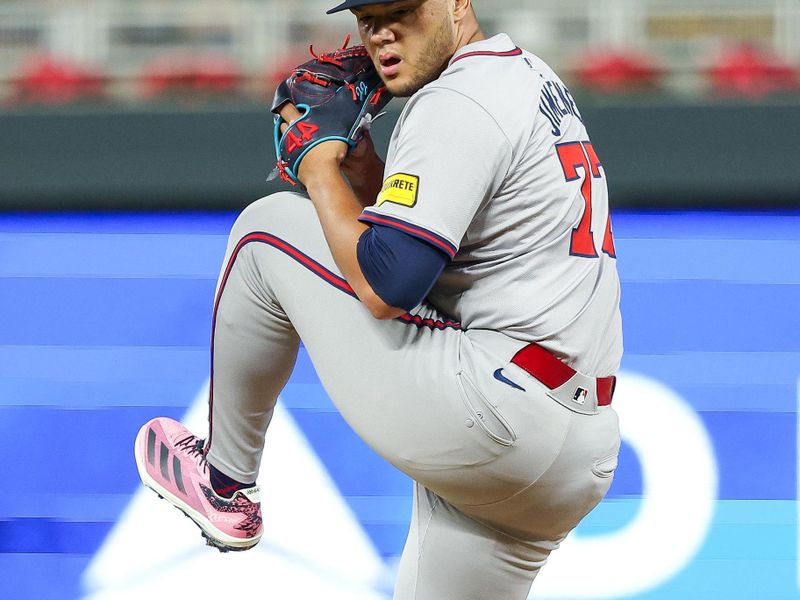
[(223, 485)]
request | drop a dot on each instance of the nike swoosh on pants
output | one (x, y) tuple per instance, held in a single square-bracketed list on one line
[(498, 374)]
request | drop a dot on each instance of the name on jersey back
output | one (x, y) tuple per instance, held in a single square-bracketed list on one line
[(556, 103)]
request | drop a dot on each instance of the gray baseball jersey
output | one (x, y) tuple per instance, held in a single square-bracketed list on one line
[(492, 163)]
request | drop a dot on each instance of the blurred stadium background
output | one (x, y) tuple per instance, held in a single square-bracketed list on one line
[(131, 132)]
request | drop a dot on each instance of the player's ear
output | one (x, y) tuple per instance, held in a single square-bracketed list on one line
[(461, 8)]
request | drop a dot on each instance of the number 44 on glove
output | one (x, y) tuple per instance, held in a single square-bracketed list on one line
[(338, 94)]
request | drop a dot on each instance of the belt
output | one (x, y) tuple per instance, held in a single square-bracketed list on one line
[(553, 373)]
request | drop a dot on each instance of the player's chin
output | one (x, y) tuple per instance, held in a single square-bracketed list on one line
[(400, 87)]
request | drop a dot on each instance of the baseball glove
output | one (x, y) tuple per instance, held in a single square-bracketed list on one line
[(338, 94)]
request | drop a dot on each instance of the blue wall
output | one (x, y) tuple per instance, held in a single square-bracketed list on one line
[(105, 323)]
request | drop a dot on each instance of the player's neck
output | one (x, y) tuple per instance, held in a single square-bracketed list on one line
[(470, 35)]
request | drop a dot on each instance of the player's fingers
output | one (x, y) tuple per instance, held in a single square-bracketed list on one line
[(289, 113), (364, 147)]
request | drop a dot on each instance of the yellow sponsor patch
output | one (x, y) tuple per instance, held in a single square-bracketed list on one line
[(400, 188)]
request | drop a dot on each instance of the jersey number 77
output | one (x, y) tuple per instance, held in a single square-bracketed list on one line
[(575, 155)]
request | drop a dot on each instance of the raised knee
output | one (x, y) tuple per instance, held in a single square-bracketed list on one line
[(272, 211)]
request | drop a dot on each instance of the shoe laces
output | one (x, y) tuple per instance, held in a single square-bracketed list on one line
[(194, 447)]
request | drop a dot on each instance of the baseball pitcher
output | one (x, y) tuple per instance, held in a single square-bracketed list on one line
[(460, 302)]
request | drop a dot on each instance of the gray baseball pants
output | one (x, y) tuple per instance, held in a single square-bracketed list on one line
[(501, 474)]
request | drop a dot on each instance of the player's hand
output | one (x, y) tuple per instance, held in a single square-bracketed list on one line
[(364, 170), (364, 151), (323, 160), (361, 159)]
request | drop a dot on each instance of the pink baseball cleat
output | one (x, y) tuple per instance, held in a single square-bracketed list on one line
[(172, 463)]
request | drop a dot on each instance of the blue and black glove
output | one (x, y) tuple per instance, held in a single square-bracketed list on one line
[(338, 94)]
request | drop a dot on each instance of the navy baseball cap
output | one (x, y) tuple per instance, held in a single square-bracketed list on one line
[(356, 3)]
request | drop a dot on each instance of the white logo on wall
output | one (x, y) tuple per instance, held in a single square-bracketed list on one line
[(679, 480), (314, 547)]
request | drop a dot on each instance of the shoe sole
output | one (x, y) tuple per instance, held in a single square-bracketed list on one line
[(213, 536)]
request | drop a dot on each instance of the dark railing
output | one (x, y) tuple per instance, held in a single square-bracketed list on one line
[(655, 155)]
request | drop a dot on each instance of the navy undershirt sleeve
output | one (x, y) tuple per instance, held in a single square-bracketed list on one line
[(400, 268)]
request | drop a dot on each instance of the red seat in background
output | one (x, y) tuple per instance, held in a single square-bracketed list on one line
[(746, 70), (617, 71), (48, 79), (180, 74)]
